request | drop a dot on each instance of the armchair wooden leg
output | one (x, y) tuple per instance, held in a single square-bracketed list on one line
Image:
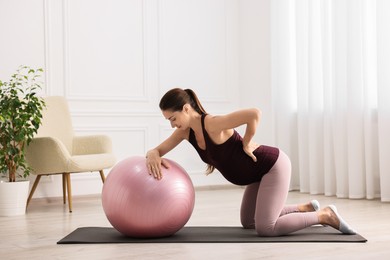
[(64, 188), (69, 189), (37, 179), (102, 176)]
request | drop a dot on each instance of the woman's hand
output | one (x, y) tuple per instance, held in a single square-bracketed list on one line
[(154, 163), (249, 148)]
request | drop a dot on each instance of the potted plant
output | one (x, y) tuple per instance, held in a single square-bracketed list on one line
[(20, 117)]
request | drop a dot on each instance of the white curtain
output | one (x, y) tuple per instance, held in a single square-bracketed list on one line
[(331, 94)]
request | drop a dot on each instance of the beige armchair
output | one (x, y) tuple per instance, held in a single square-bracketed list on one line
[(56, 150)]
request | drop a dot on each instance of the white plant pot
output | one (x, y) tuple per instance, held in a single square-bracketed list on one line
[(13, 198)]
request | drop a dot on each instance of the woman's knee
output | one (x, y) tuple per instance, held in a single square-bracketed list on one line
[(266, 231), (247, 223)]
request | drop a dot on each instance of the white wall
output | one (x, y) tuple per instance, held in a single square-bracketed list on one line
[(114, 59)]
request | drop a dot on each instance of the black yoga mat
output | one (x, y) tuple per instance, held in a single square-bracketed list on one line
[(206, 234)]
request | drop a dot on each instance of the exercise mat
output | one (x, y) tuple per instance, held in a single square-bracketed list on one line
[(209, 234)]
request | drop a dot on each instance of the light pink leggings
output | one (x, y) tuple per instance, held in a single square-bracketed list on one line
[(263, 202)]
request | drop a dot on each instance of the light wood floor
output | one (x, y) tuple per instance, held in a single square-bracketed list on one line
[(34, 235)]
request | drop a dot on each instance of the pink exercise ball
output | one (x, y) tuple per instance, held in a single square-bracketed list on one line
[(137, 205)]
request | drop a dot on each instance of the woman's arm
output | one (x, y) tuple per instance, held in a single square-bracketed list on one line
[(153, 156), (249, 117)]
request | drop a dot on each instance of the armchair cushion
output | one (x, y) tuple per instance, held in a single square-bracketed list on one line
[(90, 162)]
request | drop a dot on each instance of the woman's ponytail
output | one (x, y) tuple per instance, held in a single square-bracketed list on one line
[(199, 108), (195, 103)]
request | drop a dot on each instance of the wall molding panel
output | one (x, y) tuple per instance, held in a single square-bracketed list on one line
[(91, 39), (47, 42)]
